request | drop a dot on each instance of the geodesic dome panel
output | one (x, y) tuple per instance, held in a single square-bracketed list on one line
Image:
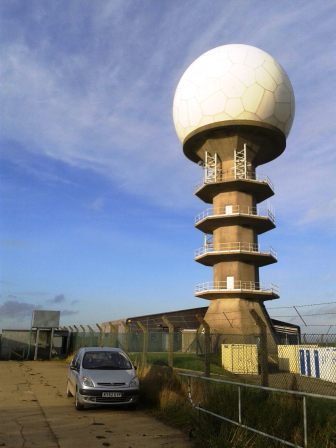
[(233, 82)]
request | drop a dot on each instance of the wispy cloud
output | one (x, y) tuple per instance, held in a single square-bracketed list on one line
[(69, 312), (13, 243), (17, 314), (14, 309), (97, 204), (59, 298), (100, 97)]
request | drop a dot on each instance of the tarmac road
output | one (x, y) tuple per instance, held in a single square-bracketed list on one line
[(35, 412)]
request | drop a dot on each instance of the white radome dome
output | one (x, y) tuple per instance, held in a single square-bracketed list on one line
[(230, 83)]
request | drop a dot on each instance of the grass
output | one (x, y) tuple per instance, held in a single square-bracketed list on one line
[(189, 361), (165, 393)]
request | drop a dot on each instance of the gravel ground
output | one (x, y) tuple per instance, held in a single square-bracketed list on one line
[(35, 412)]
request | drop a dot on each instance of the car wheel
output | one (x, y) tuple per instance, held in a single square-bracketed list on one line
[(78, 405), (68, 392)]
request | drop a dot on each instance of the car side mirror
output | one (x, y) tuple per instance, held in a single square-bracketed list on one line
[(74, 367)]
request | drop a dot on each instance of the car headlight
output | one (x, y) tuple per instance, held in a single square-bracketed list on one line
[(86, 381), (134, 382)]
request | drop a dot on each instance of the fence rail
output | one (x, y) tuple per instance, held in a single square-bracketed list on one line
[(239, 423)]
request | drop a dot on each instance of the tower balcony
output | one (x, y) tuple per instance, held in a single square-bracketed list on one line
[(211, 253), (211, 218), (260, 186), (237, 289)]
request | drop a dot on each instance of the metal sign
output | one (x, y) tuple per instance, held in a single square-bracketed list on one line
[(45, 319)]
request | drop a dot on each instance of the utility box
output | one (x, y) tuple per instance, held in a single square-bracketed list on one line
[(319, 363), (240, 358), (288, 356), (327, 363), (291, 357), (189, 341), (308, 360)]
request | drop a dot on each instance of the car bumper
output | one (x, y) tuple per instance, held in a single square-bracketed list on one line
[(96, 396)]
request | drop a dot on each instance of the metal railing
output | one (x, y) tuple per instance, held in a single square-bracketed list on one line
[(235, 210), (232, 247), (238, 285), (239, 386), (226, 176)]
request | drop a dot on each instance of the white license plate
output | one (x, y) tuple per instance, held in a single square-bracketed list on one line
[(112, 394)]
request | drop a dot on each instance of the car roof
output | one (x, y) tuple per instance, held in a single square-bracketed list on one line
[(99, 349)]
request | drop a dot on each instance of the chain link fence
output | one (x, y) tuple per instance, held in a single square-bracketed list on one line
[(315, 318), (308, 365), (300, 355)]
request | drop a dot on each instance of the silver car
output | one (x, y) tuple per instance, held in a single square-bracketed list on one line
[(102, 376)]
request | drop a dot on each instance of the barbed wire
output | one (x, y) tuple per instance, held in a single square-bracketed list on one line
[(322, 318), (300, 306)]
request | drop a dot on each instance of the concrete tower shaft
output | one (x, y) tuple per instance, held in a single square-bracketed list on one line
[(229, 156)]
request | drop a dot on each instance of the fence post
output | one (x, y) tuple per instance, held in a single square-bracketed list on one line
[(75, 331), (73, 344), (207, 343), (144, 342), (305, 432), (100, 342), (79, 338), (263, 348), (84, 336), (114, 333), (92, 335), (170, 340), (51, 342), (36, 343), (68, 341), (125, 338)]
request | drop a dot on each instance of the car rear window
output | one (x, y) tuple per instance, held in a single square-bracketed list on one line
[(106, 360)]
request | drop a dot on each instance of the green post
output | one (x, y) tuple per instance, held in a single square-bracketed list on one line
[(82, 336), (170, 341), (113, 334), (101, 335), (68, 341), (125, 338), (92, 335), (207, 343), (263, 348), (144, 342), (78, 338)]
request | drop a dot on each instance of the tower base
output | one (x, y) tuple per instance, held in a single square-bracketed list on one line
[(239, 321)]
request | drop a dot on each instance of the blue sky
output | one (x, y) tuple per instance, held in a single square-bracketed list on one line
[(97, 208)]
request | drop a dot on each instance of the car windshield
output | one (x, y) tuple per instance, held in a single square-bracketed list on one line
[(106, 360)]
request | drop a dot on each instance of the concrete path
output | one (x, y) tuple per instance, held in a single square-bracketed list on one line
[(35, 412)]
